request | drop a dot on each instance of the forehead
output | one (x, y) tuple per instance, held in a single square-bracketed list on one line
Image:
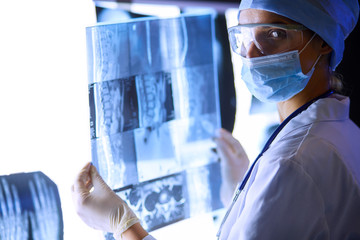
[(248, 16)]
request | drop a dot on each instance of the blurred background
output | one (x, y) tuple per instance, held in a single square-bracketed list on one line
[(44, 108)]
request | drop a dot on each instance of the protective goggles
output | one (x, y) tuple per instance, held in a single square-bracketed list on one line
[(268, 38)]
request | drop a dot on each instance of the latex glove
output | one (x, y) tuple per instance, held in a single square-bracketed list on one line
[(234, 163), (100, 207)]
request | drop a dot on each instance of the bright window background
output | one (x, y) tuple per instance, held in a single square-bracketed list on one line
[(44, 120)]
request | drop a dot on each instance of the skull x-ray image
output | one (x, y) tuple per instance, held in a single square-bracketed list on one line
[(154, 108), (29, 207)]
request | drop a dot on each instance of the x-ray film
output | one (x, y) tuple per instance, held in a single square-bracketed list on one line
[(29, 207), (204, 188), (155, 150), (158, 202), (166, 200), (115, 158), (155, 99), (154, 107), (113, 107)]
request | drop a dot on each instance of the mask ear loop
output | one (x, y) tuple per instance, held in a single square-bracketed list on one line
[(307, 43), (318, 58)]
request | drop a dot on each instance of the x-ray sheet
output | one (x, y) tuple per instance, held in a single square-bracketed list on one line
[(158, 202), (125, 104), (153, 97), (115, 158), (166, 200), (154, 107), (29, 207), (148, 45), (113, 107)]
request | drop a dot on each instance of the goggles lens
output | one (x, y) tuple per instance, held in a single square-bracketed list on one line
[(268, 38)]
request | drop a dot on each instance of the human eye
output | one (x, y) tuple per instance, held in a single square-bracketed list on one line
[(276, 34)]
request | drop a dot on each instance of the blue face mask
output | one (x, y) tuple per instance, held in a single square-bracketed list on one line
[(277, 77)]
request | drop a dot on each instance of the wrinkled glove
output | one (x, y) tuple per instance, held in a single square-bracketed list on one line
[(234, 162), (98, 206)]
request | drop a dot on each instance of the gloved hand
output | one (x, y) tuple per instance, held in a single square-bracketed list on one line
[(234, 163), (100, 207)]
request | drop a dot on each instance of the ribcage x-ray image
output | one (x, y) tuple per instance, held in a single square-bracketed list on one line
[(29, 208), (154, 107)]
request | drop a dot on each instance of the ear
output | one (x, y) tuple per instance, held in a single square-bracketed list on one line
[(325, 48)]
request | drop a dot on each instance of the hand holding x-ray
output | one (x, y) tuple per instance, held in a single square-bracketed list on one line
[(13, 224), (98, 206), (234, 163), (44, 220)]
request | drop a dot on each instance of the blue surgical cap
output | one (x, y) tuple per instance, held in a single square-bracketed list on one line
[(332, 20)]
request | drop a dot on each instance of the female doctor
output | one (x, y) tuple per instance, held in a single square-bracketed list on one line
[(305, 184)]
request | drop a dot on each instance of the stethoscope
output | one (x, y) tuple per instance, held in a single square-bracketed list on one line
[(265, 148)]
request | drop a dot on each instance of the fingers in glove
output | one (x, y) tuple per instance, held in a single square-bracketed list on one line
[(97, 181), (83, 180), (229, 139), (232, 143), (81, 187), (223, 149)]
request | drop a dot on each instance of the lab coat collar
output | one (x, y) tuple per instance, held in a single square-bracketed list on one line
[(333, 108)]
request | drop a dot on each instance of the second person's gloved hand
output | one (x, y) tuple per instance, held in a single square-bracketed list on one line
[(98, 206), (234, 163)]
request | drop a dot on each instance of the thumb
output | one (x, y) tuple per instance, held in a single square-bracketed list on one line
[(97, 181), (82, 180)]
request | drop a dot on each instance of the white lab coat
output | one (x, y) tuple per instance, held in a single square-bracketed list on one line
[(306, 185)]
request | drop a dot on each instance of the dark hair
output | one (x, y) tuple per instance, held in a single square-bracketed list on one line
[(336, 81)]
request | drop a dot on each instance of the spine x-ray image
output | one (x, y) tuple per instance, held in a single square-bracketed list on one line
[(154, 107), (108, 113), (29, 208)]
